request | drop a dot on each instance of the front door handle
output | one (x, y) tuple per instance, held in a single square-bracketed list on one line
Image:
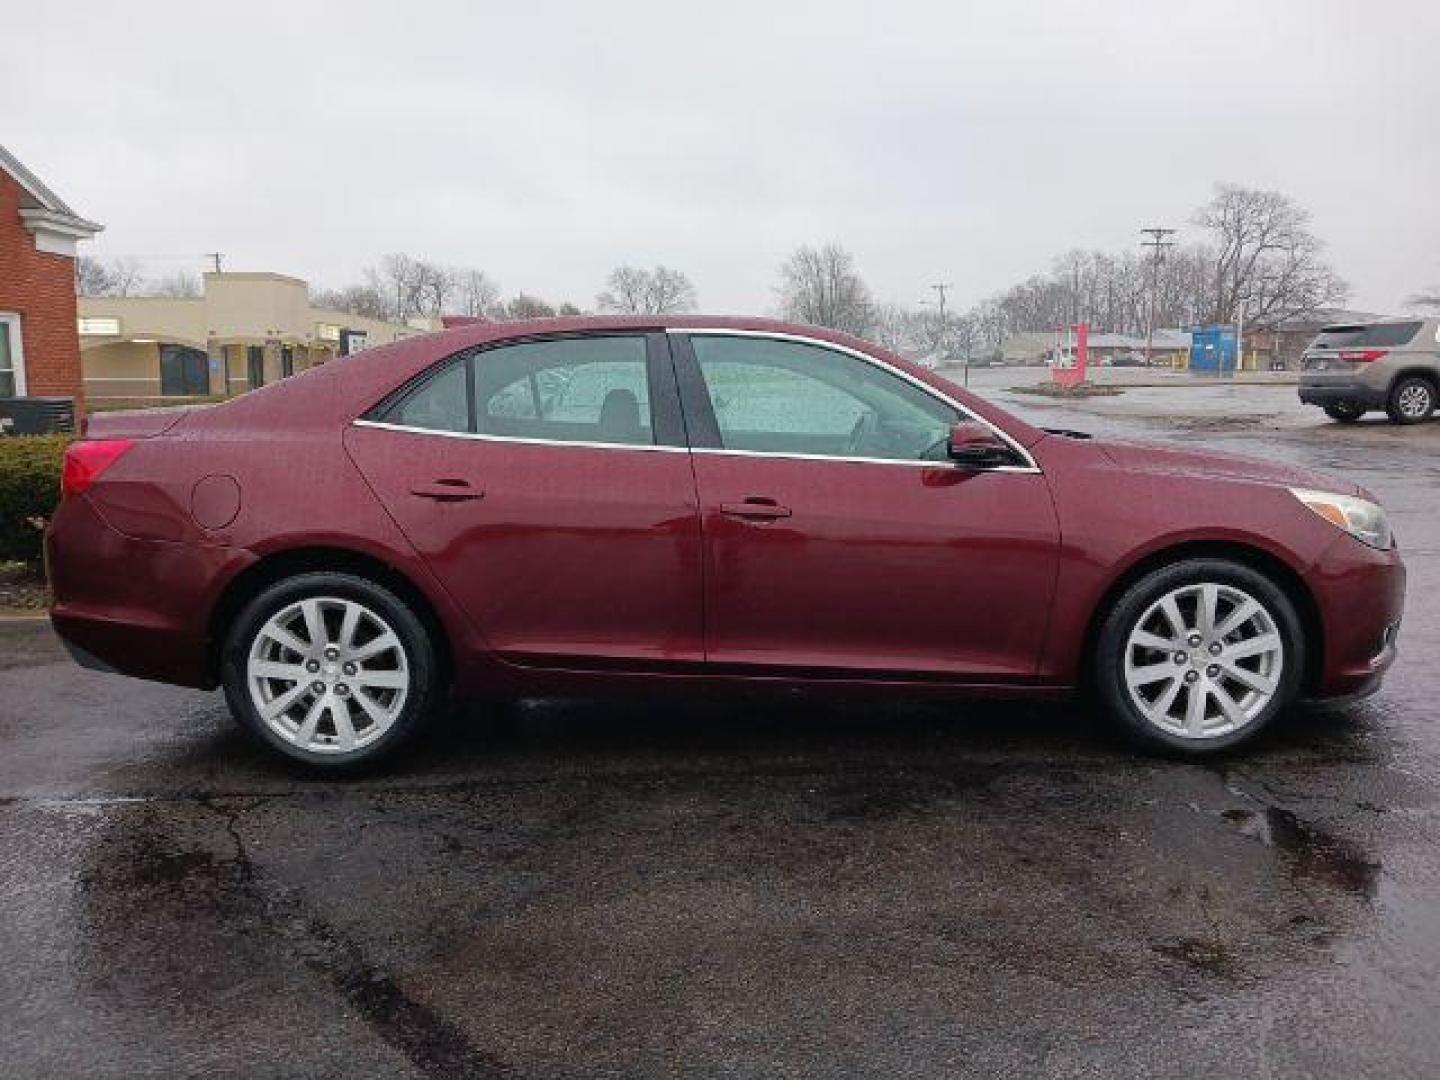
[(447, 491), (755, 509)]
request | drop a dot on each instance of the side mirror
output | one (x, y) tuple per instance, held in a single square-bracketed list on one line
[(974, 446)]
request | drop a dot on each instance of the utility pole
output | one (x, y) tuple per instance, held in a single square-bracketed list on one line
[(1157, 243), (215, 257), (940, 288)]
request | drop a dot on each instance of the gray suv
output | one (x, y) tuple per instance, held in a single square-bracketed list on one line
[(1392, 364)]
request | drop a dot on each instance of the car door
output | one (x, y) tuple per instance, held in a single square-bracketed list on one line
[(839, 537), (547, 484)]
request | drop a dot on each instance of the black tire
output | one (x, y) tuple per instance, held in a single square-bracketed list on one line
[(1347, 412), (1411, 400), (422, 693), (1115, 630)]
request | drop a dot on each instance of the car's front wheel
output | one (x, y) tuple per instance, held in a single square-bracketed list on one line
[(1199, 656), (330, 669)]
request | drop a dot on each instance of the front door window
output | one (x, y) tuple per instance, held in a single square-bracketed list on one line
[(255, 366), (773, 396)]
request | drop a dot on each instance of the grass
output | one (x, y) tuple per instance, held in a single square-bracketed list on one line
[(1079, 390)]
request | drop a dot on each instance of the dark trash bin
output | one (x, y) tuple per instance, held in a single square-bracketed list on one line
[(37, 415)]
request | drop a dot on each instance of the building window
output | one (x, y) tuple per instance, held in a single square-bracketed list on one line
[(184, 372), (12, 366), (287, 361), (255, 365)]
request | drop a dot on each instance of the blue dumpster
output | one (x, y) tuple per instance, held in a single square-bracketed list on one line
[(1212, 350)]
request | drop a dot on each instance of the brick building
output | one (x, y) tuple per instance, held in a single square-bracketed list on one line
[(39, 345)]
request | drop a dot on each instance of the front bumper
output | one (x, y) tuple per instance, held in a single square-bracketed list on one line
[(1340, 391), (137, 607), (1360, 593)]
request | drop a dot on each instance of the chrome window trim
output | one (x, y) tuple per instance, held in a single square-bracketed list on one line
[(906, 463), (903, 462), (385, 426), (801, 339)]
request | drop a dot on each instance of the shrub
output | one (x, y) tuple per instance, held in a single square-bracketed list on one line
[(29, 490)]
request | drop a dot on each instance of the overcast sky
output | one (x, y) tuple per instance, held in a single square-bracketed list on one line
[(961, 142)]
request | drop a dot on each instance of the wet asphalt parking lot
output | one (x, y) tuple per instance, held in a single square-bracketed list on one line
[(742, 889)]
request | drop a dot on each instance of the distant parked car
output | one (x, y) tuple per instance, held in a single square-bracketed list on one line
[(1393, 364), (575, 506)]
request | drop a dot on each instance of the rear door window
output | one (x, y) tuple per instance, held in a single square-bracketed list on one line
[(1388, 335), (581, 389), (592, 389)]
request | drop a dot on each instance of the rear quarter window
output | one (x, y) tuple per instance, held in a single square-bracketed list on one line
[(1387, 335)]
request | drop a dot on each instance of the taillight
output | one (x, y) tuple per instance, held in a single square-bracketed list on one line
[(86, 460), (1362, 356)]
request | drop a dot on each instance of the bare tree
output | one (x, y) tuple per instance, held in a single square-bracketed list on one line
[(183, 284), (361, 299), (820, 286), (403, 285), (91, 277), (670, 291), (891, 326), (117, 277), (1267, 263), (636, 291), (627, 290), (476, 293), (402, 278), (524, 306)]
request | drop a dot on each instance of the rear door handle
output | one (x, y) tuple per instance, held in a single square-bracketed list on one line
[(447, 491), (755, 509)]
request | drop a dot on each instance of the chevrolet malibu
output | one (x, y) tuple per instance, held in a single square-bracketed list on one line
[(593, 506)]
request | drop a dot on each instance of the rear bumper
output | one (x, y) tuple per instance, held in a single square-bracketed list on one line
[(1361, 596), (137, 607), (1338, 391)]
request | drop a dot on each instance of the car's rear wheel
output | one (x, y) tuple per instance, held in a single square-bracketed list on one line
[(1347, 412), (1199, 656), (1412, 399), (330, 669)]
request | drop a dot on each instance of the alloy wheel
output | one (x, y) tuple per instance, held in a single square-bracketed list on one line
[(1204, 660), (328, 675), (1414, 401)]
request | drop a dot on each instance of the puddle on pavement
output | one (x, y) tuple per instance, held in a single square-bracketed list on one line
[(1314, 854)]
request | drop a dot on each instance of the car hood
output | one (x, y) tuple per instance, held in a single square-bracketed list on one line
[(1157, 459)]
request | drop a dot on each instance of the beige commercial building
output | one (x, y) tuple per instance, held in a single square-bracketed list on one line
[(243, 331)]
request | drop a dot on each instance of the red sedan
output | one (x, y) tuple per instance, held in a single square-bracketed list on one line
[(578, 506)]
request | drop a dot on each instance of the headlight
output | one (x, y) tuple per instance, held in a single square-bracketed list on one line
[(1361, 518)]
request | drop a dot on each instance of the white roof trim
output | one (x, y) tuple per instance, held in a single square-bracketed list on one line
[(54, 213), (64, 224)]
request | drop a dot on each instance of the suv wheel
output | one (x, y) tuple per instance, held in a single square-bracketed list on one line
[(1199, 656), (1347, 412), (1412, 399), (332, 670)]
